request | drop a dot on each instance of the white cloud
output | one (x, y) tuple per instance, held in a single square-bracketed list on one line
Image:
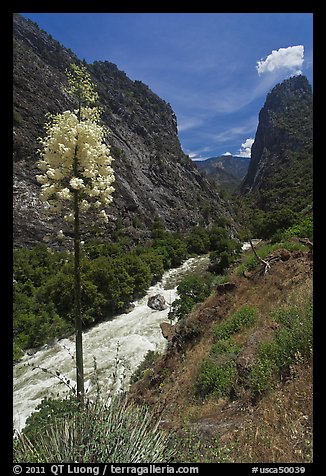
[(290, 59), (227, 153), (234, 134), (245, 150), (198, 154), (187, 123)]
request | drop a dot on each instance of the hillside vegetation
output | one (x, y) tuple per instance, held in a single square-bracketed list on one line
[(239, 389), (235, 384)]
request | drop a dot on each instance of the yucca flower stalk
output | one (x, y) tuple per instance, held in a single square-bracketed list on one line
[(77, 175)]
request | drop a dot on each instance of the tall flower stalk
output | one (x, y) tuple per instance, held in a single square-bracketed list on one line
[(77, 176)]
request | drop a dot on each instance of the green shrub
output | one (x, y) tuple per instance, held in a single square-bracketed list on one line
[(244, 317), (146, 365), (216, 376), (262, 375), (293, 340), (198, 241), (225, 346), (303, 229), (191, 290)]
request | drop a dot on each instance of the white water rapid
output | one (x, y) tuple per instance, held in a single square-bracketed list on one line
[(134, 333)]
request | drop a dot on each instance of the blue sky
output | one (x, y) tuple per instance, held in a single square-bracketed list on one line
[(215, 69)]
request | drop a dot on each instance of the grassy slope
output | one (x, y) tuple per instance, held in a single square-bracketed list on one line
[(277, 427)]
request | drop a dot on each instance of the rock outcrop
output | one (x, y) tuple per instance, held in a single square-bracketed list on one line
[(154, 178), (167, 331), (280, 169)]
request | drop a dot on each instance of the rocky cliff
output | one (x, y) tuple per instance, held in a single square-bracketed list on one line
[(280, 170), (154, 178)]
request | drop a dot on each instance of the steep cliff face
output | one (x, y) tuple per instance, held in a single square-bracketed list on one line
[(280, 170), (154, 178)]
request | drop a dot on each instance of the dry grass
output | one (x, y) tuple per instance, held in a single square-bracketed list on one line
[(279, 427)]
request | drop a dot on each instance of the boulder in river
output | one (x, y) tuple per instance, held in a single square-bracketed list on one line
[(157, 302)]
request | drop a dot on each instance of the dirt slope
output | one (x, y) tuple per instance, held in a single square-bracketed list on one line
[(276, 428)]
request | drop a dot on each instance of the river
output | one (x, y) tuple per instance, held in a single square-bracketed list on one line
[(125, 339)]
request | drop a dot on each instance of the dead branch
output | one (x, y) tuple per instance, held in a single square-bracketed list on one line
[(307, 242), (266, 264)]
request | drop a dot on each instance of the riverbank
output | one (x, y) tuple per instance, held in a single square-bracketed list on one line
[(117, 345), (247, 420)]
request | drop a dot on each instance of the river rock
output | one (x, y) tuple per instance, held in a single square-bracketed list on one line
[(157, 302), (167, 331), (129, 308)]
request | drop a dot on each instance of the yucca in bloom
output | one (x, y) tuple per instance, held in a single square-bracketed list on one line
[(77, 175), (75, 157)]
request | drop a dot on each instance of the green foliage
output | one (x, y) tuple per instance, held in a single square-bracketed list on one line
[(172, 249), (49, 409), (158, 229), (292, 341), (217, 373), (113, 274), (266, 224), (145, 367), (35, 322), (98, 432), (198, 241), (225, 346), (155, 264), (224, 250), (216, 376), (302, 229), (243, 318), (191, 290)]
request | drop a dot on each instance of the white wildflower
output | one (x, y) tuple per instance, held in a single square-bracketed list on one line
[(76, 183)]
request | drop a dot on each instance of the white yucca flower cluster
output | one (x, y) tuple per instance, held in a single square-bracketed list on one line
[(75, 157)]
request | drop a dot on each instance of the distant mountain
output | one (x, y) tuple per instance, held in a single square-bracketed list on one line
[(280, 173), (226, 171), (154, 178)]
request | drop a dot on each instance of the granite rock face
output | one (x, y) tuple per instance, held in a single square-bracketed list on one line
[(280, 169), (157, 302), (154, 178)]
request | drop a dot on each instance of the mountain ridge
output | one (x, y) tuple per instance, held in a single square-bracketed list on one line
[(280, 169), (154, 178), (226, 171)]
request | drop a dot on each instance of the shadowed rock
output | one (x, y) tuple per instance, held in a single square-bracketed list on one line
[(157, 302)]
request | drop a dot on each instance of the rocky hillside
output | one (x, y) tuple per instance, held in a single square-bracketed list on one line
[(280, 170), (226, 171), (154, 178), (235, 390)]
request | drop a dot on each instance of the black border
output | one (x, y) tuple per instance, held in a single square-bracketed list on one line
[(6, 189)]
